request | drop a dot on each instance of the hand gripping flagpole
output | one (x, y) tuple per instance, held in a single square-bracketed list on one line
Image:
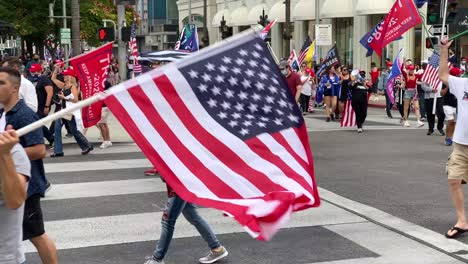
[(444, 20), (69, 110)]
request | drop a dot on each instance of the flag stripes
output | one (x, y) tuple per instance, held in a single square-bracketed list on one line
[(349, 116)]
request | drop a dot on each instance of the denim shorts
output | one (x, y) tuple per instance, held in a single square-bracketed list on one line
[(409, 94)]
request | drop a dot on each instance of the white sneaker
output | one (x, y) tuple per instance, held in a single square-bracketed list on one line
[(214, 256), (105, 144), (359, 130), (420, 124), (152, 261), (406, 124)]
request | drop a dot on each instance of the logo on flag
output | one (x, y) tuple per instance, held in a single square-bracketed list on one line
[(92, 69), (223, 133), (188, 39)]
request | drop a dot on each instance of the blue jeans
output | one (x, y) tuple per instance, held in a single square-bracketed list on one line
[(175, 206), (80, 138)]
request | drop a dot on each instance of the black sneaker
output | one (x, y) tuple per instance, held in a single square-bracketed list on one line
[(441, 132), (332, 117), (68, 135), (429, 132), (328, 119), (88, 150)]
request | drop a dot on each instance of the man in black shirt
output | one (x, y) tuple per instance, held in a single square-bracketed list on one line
[(44, 92)]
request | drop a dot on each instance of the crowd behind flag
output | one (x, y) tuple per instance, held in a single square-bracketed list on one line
[(92, 69), (137, 68), (257, 168)]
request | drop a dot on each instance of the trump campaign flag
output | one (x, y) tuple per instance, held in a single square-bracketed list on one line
[(188, 39), (224, 131), (402, 17), (91, 70), (394, 73)]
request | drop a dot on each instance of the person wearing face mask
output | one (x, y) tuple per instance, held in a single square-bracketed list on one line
[(293, 79), (307, 82)]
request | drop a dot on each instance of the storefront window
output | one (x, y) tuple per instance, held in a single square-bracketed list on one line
[(344, 39)]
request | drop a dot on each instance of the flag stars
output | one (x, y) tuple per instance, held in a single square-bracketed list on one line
[(225, 105), (293, 118), (233, 81), (255, 54), (223, 115), (266, 109), (266, 67), (223, 69), (227, 60), (240, 62), (236, 70), (279, 112), (210, 67), (246, 84), (250, 73), (239, 107), (258, 46), (260, 86), (264, 119), (256, 97), (253, 63), (219, 79), (212, 103), (229, 93), (263, 76), (203, 88), (216, 90), (233, 123), (270, 99), (261, 124), (275, 81), (243, 95), (247, 123), (253, 108), (193, 74), (236, 116), (278, 121), (283, 103), (206, 77), (249, 116), (273, 89), (244, 131), (243, 52)]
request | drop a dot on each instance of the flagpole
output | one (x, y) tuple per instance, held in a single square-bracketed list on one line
[(272, 52), (69, 110), (444, 20)]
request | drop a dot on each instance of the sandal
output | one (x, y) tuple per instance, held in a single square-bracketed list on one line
[(457, 234)]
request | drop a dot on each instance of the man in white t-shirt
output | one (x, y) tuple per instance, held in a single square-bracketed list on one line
[(457, 166), (15, 171)]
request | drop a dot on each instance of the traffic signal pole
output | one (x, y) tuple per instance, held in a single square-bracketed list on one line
[(122, 53)]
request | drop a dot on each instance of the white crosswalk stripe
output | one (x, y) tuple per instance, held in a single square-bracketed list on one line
[(113, 230)]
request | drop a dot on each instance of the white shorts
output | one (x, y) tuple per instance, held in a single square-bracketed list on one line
[(104, 115), (450, 112)]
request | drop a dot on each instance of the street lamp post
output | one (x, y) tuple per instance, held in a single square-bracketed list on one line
[(223, 29), (287, 26), (263, 19), (206, 38)]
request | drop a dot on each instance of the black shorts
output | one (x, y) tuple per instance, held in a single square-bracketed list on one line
[(33, 222), (327, 92)]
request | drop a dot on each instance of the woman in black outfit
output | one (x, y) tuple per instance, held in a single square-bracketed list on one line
[(345, 88), (359, 91)]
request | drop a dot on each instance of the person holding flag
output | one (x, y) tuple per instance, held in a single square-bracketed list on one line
[(411, 96)]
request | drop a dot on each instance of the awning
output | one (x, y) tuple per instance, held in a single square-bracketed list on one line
[(255, 13), (216, 22), (277, 11), (338, 8), (238, 17), (304, 10), (372, 7)]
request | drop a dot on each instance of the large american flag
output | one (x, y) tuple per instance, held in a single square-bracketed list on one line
[(137, 68), (305, 49), (431, 74), (224, 132)]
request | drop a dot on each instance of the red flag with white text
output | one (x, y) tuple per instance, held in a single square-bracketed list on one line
[(91, 70), (402, 17)]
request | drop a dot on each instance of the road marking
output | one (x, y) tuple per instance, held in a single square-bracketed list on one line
[(111, 230), (104, 188), (97, 165), (411, 230)]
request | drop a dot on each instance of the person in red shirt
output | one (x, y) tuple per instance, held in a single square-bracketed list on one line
[(293, 79), (374, 73), (411, 94)]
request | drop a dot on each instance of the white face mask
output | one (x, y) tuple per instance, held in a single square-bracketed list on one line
[(284, 72)]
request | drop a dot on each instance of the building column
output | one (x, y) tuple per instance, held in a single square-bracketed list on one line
[(299, 35), (360, 28), (277, 41)]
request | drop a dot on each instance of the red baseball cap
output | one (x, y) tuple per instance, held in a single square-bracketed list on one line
[(455, 71), (389, 63), (35, 68), (69, 72), (410, 67), (59, 62)]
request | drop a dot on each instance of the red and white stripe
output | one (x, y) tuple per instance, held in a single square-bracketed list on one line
[(348, 118), (259, 182), (431, 76)]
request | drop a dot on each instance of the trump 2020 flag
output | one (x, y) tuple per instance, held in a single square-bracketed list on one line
[(91, 70), (394, 73), (403, 16), (224, 131)]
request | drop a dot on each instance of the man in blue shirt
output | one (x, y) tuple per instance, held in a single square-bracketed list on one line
[(19, 115)]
